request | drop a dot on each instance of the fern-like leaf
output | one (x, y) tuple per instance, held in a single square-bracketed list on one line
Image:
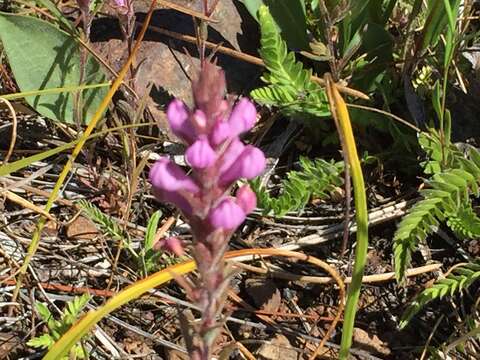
[(74, 308), (107, 224), (459, 279), (465, 223), (316, 179), (44, 341), (449, 191), (289, 85), (59, 327)]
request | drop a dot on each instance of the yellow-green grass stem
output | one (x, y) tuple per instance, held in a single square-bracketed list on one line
[(32, 249), (65, 89), (342, 119), (7, 169)]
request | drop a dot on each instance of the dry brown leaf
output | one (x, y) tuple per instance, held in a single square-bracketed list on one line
[(370, 343), (82, 228), (277, 348), (264, 294)]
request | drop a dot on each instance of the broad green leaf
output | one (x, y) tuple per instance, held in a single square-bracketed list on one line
[(42, 57), (289, 16)]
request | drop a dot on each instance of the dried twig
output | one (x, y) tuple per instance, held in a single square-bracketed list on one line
[(14, 130), (248, 58)]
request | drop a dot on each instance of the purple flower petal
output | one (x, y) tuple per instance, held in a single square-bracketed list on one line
[(248, 165), (200, 155), (166, 175), (246, 199), (178, 118), (227, 215), (170, 244), (220, 132), (243, 117), (231, 154)]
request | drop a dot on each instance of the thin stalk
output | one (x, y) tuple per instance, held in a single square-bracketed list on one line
[(344, 127)]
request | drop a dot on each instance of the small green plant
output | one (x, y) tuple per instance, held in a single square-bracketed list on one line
[(56, 328), (148, 258), (316, 179), (455, 177), (460, 278), (108, 225), (447, 199), (289, 85)]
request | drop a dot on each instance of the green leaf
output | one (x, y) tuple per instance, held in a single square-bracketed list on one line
[(44, 341), (289, 85), (457, 280), (45, 314), (151, 230), (41, 57), (317, 179), (289, 17), (437, 19)]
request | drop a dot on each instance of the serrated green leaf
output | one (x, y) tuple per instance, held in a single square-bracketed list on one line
[(44, 341)]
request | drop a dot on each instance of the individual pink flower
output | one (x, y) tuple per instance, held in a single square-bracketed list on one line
[(243, 117), (230, 155), (246, 199), (200, 154), (227, 215), (178, 119), (170, 244), (249, 164), (168, 176)]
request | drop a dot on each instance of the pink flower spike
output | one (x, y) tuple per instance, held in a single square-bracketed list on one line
[(178, 118), (166, 175), (249, 164), (220, 132), (243, 117), (170, 244), (227, 215), (200, 155), (246, 199)]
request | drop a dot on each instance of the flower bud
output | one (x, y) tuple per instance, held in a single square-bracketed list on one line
[(248, 165), (200, 155), (246, 199), (178, 118), (170, 244), (243, 117), (166, 175), (227, 215)]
